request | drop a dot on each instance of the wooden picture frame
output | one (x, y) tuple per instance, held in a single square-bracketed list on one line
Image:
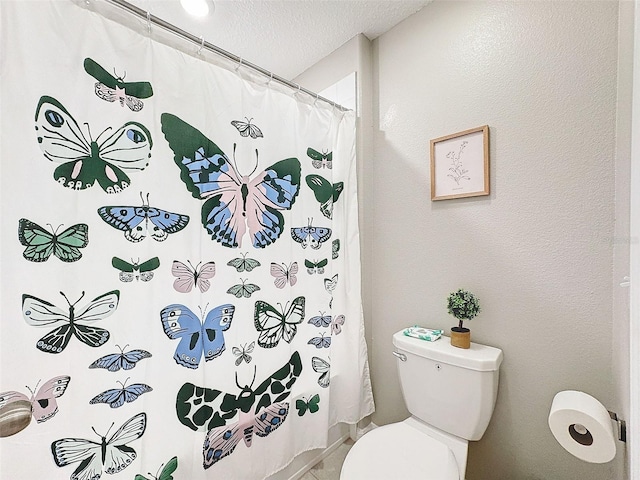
[(460, 164)]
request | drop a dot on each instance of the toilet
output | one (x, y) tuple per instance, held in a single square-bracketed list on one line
[(450, 393)]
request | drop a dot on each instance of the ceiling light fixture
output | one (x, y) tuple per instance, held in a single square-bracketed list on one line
[(197, 8)]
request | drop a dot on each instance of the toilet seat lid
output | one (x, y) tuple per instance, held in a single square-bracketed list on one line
[(399, 451)]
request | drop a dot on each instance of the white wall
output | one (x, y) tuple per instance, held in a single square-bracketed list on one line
[(634, 401), (539, 251), (622, 239)]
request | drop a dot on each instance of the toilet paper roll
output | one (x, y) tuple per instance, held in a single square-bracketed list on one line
[(582, 425)]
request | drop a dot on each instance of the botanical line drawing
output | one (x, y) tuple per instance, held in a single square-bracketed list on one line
[(457, 169)]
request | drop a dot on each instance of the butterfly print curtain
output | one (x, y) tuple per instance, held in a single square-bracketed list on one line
[(180, 258)]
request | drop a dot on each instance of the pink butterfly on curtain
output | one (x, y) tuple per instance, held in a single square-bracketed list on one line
[(234, 203), (336, 324), (188, 276), (284, 274), (18, 409)]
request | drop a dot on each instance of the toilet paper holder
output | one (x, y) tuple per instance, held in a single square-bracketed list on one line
[(622, 426), (582, 426)]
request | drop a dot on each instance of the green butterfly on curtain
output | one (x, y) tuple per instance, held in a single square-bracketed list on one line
[(243, 289), (274, 325), (302, 404), (135, 270), (315, 266), (244, 263), (325, 192), (170, 467), (112, 88), (320, 159), (86, 161), (41, 244)]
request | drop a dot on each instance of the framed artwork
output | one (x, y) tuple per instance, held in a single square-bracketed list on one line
[(460, 164)]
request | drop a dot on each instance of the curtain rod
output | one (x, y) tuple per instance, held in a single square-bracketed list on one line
[(152, 19)]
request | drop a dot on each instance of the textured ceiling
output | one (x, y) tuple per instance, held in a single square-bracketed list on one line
[(286, 36)]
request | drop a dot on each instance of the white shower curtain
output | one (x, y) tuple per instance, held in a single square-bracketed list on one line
[(180, 258)]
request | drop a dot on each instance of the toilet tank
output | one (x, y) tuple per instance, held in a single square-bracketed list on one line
[(450, 388)]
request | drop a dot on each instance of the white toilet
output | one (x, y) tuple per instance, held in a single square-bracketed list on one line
[(450, 393)]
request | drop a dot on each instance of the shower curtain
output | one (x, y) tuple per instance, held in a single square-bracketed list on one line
[(180, 258)]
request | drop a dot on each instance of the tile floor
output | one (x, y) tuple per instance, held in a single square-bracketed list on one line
[(329, 468)]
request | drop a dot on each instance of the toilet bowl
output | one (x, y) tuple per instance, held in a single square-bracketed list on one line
[(450, 393), (399, 451)]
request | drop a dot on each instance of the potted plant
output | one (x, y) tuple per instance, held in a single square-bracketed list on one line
[(463, 305)]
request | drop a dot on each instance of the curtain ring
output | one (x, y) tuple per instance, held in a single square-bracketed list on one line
[(149, 21), (317, 98), (239, 64), (270, 79), (201, 45)]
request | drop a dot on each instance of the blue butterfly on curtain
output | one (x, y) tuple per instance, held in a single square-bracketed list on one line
[(234, 203), (116, 397), (323, 320), (259, 411), (320, 342), (311, 236), (138, 222), (196, 338), (116, 361)]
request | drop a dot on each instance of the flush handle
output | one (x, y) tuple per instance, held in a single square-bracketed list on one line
[(401, 356)]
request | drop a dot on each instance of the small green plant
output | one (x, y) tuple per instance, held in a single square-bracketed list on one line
[(463, 305)]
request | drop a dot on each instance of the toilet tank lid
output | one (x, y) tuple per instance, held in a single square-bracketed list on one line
[(477, 357)]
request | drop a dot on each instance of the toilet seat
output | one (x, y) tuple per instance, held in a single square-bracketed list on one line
[(399, 451)]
